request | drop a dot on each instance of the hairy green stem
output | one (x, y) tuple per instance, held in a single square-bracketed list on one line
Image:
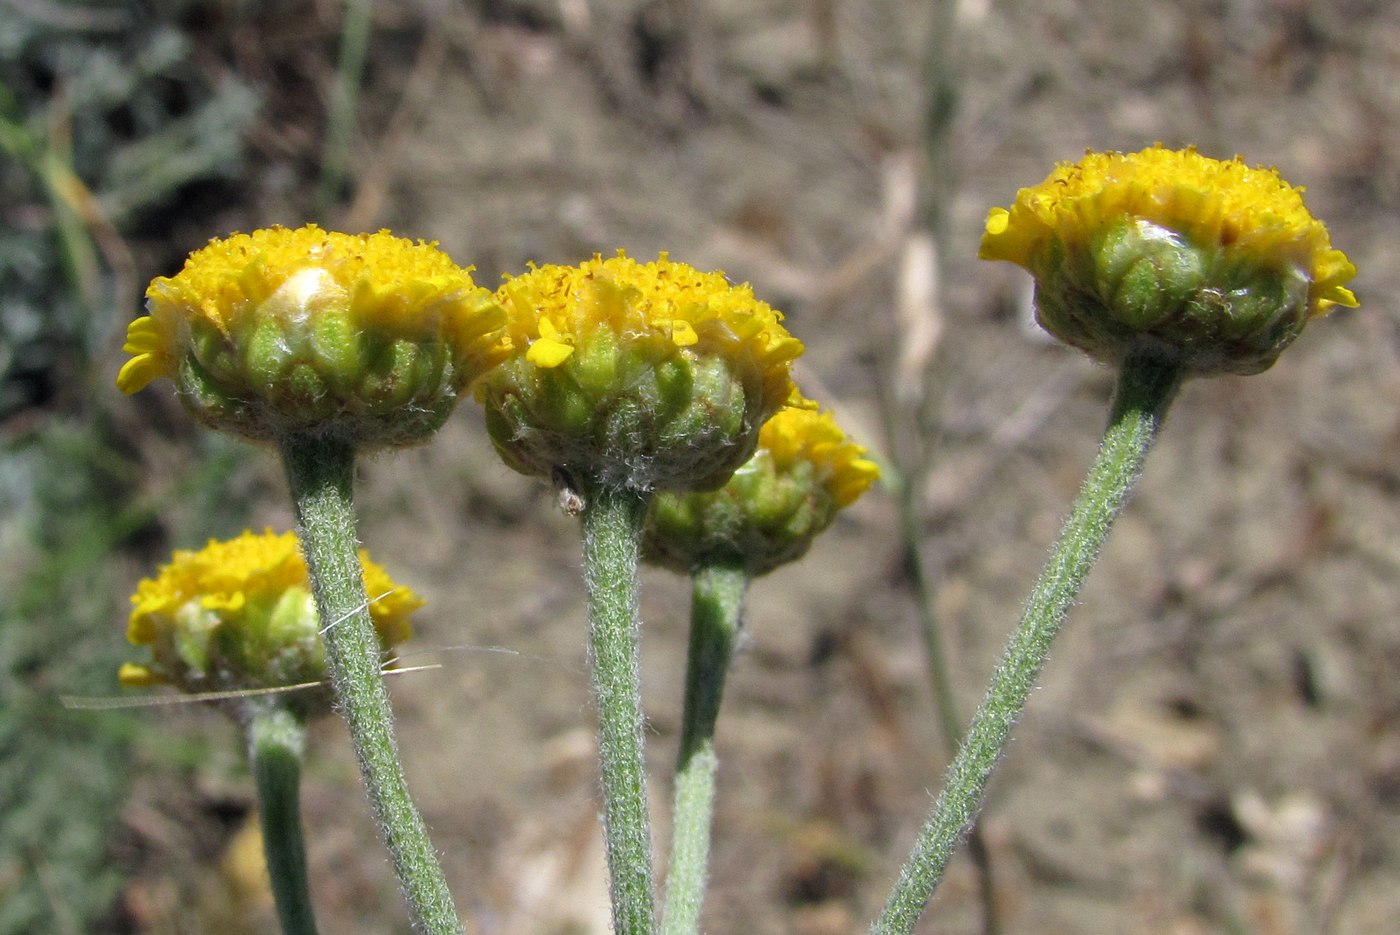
[(612, 530), (321, 474), (944, 699), (276, 740), (717, 594), (903, 477), (1145, 390)]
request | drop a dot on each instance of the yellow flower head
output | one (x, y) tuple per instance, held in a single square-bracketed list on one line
[(240, 615), (1210, 262), (369, 336), (642, 375), (804, 470)]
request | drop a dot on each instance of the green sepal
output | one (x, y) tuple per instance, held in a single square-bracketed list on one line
[(1141, 289), (639, 417), (761, 519), (190, 641)]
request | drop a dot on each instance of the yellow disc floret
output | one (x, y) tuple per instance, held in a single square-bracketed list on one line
[(642, 375), (1215, 262), (369, 336), (804, 470), (240, 615)]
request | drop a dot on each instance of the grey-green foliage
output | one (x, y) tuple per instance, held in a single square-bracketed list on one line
[(109, 95), (63, 774), (68, 498), (102, 100)]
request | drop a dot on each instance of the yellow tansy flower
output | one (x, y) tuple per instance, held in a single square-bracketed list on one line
[(1212, 263), (366, 336), (636, 375), (240, 615), (805, 470)]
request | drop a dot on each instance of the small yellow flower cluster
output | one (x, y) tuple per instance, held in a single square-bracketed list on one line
[(804, 471), (239, 614), (635, 375), (281, 329), (382, 281), (1212, 263)]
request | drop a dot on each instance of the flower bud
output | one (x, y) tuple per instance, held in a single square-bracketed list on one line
[(1212, 265), (635, 375), (240, 615), (804, 470), (367, 338)]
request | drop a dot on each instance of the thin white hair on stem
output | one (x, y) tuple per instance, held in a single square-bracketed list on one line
[(463, 648), (108, 703), (558, 661), (387, 667), (355, 610)]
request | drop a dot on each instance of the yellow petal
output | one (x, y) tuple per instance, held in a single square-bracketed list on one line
[(547, 352), (998, 219), (133, 676), (137, 372), (683, 333), (140, 628), (233, 601), (142, 336), (1343, 297)]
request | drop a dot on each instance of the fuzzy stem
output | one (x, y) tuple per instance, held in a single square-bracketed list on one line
[(321, 474), (1145, 390), (276, 740), (612, 529), (944, 697), (716, 601)]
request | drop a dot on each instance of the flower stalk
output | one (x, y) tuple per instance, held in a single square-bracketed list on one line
[(276, 742), (1146, 387), (945, 701), (715, 616), (612, 528), (620, 379), (320, 471), (804, 471)]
